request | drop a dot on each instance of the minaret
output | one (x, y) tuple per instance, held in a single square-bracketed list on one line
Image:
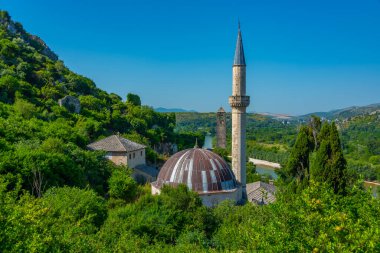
[(221, 128), (239, 102)]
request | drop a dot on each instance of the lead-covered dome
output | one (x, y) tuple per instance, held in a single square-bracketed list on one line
[(201, 170)]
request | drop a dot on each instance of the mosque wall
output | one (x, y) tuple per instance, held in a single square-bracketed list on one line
[(212, 199)]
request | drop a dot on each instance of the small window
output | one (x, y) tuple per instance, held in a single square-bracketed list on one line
[(130, 156), (134, 154), (141, 153)]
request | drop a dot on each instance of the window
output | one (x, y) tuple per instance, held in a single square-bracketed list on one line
[(134, 154), (141, 153), (130, 156)]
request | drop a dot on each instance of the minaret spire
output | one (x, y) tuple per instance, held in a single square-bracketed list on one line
[(239, 101), (239, 58)]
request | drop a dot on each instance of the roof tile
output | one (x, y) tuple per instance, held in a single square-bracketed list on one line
[(115, 143)]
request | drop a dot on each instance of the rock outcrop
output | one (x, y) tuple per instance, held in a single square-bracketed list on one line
[(70, 103)]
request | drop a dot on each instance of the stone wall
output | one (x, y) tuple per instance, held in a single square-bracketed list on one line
[(212, 199), (130, 159), (118, 158), (135, 158)]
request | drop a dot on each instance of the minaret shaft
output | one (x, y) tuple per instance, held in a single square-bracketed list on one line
[(239, 102), (239, 145), (238, 81)]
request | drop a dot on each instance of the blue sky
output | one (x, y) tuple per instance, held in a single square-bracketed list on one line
[(302, 56)]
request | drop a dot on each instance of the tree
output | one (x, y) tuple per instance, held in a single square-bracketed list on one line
[(8, 87), (252, 176), (24, 108), (329, 164), (297, 166), (122, 185), (133, 99)]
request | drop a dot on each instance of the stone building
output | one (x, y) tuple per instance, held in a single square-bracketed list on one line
[(221, 128), (122, 151)]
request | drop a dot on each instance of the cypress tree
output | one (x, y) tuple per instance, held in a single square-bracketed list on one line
[(329, 164), (298, 164), (338, 162)]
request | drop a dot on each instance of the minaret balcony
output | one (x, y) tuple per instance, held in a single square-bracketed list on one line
[(239, 101)]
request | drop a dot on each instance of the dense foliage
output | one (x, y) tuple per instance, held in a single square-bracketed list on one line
[(74, 220), (361, 140)]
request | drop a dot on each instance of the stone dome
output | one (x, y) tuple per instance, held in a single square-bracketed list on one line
[(201, 170)]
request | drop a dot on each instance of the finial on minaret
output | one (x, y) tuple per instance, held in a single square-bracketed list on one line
[(239, 24), (196, 143)]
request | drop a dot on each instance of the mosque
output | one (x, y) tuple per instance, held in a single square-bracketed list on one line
[(206, 172)]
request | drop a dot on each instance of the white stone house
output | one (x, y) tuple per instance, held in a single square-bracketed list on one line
[(122, 151)]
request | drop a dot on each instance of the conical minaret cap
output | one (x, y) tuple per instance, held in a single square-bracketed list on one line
[(221, 109), (239, 58)]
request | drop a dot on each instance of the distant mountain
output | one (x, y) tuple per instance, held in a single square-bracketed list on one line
[(345, 112), (161, 109)]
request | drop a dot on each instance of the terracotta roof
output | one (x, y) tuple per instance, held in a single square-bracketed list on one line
[(261, 193), (115, 143), (201, 170)]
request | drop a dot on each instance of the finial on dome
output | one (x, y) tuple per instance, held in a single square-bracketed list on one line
[(196, 143)]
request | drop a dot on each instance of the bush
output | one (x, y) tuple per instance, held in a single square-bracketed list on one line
[(122, 185)]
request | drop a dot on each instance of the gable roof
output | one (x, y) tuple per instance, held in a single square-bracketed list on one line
[(261, 193), (115, 143)]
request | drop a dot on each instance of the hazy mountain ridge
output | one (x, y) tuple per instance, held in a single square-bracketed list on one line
[(344, 113), (162, 109)]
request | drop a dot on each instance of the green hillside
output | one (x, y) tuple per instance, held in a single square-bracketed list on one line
[(38, 134)]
